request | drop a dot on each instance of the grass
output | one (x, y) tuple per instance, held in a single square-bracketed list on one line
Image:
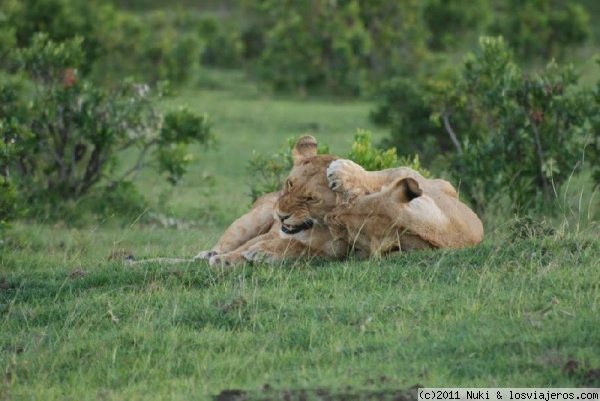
[(502, 314), (520, 310)]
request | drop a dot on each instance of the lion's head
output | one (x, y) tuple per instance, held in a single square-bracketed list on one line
[(407, 214), (305, 198)]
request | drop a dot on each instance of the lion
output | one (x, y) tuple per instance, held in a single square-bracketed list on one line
[(287, 224), (410, 213)]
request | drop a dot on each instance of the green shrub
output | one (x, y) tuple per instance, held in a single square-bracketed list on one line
[(450, 21), (9, 207), (121, 197), (151, 47), (62, 20), (404, 107), (398, 37), (116, 44), (223, 43), (337, 47), (12, 135), (593, 149), (312, 45), (542, 28), (513, 134), (362, 152), (69, 132)]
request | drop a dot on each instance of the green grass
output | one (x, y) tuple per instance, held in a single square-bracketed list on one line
[(247, 119), (507, 313), (76, 325)]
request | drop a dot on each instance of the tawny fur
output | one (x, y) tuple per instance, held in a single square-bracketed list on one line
[(410, 213)]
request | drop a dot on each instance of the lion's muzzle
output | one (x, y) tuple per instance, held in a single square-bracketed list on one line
[(288, 229)]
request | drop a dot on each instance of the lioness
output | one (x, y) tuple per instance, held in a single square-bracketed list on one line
[(410, 213), (289, 223)]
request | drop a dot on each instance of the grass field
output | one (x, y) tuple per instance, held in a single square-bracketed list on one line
[(520, 310)]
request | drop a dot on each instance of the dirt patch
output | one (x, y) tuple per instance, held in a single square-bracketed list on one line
[(267, 394), (77, 272), (582, 372)]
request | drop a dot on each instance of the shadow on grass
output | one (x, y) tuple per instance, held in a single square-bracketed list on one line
[(317, 395)]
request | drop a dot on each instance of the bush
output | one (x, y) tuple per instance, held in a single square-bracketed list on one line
[(362, 152), (542, 28), (223, 47), (404, 107), (593, 149), (312, 45), (69, 132), (513, 134), (398, 37), (151, 47), (337, 47), (8, 193), (449, 21), (62, 20)]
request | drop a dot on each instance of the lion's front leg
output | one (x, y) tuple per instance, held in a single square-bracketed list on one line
[(278, 250), (351, 180), (259, 220), (236, 257)]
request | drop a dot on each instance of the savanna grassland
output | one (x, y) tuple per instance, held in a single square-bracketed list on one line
[(77, 323), (469, 86)]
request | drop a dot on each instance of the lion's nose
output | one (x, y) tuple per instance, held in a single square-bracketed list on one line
[(282, 218)]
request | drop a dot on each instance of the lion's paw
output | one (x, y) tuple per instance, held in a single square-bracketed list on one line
[(343, 175), (225, 260), (256, 256), (205, 255)]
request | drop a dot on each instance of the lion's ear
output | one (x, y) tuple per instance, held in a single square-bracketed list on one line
[(304, 148), (408, 189)]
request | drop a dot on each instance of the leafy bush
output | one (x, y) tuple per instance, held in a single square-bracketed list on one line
[(69, 132), (449, 21), (593, 148), (363, 153), (8, 192), (513, 134), (121, 197), (398, 37), (405, 108), (151, 47), (8, 202), (338, 47), (312, 45), (223, 47), (542, 28), (62, 20), (268, 173)]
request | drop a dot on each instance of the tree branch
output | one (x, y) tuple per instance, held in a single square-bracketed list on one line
[(140, 161), (537, 140), (451, 133)]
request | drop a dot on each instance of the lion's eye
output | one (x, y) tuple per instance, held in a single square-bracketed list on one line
[(310, 199)]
